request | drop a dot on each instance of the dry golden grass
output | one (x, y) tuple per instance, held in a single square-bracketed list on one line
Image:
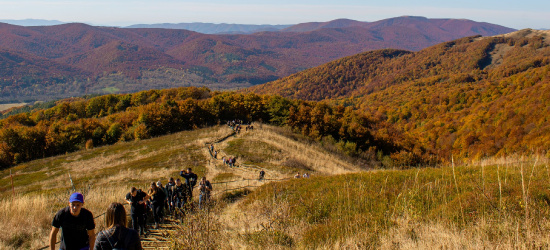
[(25, 219), (316, 158), (105, 175), (11, 105)]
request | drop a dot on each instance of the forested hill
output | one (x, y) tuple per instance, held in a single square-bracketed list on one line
[(122, 60), (468, 98), (79, 123)]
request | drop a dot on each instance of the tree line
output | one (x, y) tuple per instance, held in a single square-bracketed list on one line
[(78, 123)]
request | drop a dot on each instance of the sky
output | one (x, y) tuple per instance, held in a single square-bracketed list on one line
[(514, 14)]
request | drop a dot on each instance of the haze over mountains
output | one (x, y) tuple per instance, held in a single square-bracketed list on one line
[(31, 22), (45, 62), (212, 28)]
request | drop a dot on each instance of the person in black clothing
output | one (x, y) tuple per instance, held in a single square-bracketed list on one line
[(170, 194), (180, 194), (190, 181), (117, 235), (136, 198), (262, 175), (165, 203), (157, 202), (77, 226)]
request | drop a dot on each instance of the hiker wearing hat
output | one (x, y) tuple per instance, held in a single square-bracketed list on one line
[(77, 226)]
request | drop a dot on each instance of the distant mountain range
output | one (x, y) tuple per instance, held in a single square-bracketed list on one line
[(45, 62), (31, 22), (212, 28)]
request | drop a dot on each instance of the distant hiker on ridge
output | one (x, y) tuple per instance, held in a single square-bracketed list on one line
[(262, 174), (77, 226)]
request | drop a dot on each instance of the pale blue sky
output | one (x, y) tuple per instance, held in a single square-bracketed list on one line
[(514, 14)]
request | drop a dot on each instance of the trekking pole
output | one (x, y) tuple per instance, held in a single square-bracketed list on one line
[(12, 188), (72, 184)]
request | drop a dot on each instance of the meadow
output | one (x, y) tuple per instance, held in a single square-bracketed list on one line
[(7, 106), (496, 203)]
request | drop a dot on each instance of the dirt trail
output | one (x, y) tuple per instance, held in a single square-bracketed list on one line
[(320, 162)]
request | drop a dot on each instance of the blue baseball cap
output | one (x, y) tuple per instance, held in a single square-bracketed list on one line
[(76, 197)]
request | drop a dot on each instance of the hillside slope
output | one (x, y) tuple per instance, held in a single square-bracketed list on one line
[(489, 204), (105, 174), (471, 98), (141, 58)]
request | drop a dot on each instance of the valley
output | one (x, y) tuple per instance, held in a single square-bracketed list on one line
[(416, 133), (42, 63)]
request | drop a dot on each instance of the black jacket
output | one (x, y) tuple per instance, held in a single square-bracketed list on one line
[(118, 237)]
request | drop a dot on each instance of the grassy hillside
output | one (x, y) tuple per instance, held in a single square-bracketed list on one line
[(501, 204), (469, 98), (105, 174)]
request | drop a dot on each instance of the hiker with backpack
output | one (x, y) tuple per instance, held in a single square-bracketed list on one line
[(136, 198), (77, 226), (205, 188), (157, 202), (170, 194), (180, 195), (117, 236), (190, 181)]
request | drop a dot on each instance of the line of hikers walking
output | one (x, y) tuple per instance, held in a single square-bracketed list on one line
[(174, 197), (77, 223)]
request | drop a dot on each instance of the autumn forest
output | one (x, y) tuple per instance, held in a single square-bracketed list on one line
[(470, 98)]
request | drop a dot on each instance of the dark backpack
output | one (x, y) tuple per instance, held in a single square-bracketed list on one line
[(126, 240)]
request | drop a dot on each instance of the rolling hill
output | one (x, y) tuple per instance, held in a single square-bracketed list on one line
[(490, 204), (469, 98), (139, 57)]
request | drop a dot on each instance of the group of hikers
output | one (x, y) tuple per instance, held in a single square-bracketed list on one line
[(236, 125), (227, 160), (305, 175), (77, 223)]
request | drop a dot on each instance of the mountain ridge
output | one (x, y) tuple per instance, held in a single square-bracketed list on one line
[(485, 105), (213, 28), (225, 61)]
